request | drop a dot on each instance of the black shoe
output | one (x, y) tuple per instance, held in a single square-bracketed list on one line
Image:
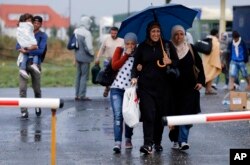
[(158, 148), (117, 149), (184, 146), (38, 112), (25, 115), (146, 149)]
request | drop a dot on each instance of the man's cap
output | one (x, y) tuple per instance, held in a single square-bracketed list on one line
[(38, 18)]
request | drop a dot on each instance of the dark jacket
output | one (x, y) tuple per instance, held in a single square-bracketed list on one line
[(186, 98)]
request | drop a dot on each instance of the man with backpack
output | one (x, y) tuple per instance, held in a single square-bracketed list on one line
[(41, 38), (84, 55)]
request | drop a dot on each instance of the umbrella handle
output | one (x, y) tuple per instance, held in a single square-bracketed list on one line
[(164, 55), (158, 61)]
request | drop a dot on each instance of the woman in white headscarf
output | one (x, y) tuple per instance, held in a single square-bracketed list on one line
[(187, 85)]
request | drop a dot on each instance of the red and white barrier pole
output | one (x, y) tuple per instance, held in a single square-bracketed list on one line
[(41, 103), (206, 118), (31, 102)]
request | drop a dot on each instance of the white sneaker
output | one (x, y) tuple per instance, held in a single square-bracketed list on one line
[(34, 66), (24, 74), (214, 86), (236, 86), (175, 145), (225, 87), (184, 146)]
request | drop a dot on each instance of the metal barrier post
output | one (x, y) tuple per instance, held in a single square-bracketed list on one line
[(53, 137), (42, 103)]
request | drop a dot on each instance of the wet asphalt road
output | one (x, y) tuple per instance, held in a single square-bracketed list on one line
[(85, 134)]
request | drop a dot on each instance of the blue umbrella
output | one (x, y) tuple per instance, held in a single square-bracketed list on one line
[(167, 16)]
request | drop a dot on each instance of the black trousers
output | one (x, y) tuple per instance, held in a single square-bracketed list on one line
[(151, 117)]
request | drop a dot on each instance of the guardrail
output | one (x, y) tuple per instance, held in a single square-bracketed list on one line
[(52, 103)]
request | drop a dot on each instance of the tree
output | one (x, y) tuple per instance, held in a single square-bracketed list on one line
[(168, 1)]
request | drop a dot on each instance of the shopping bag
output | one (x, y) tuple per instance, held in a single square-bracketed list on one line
[(130, 107)]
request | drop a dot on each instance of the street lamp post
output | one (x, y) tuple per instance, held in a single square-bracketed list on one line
[(128, 7)]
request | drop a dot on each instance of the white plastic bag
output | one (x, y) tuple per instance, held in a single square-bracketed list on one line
[(130, 107)]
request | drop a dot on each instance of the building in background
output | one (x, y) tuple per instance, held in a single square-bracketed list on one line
[(53, 22), (208, 19)]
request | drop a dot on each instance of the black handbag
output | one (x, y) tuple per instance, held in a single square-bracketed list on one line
[(204, 46), (94, 72), (106, 76), (173, 71)]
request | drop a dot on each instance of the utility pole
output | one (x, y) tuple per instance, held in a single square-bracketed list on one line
[(222, 16), (128, 8), (69, 12)]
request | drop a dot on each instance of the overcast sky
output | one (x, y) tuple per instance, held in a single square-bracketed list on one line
[(99, 8)]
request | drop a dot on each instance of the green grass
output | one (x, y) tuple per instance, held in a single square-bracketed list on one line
[(53, 75), (58, 69)]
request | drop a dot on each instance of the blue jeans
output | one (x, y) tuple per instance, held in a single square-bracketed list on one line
[(235, 67), (183, 133), (23, 64), (116, 98)]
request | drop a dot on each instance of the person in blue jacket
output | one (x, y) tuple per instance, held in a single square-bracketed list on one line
[(41, 38), (238, 58)]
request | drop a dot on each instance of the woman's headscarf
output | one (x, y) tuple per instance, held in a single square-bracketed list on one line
[(130, 37), (150, 26), (182, 48)]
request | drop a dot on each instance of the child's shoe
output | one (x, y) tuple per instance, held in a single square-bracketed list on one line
[(35, 68), (24, 74)]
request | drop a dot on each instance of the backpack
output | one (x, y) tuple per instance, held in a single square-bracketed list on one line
[(72, 44), (44, 52), (204, 46)]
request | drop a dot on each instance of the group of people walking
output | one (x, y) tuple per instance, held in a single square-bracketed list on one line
[(146, 65), (156, 89)]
